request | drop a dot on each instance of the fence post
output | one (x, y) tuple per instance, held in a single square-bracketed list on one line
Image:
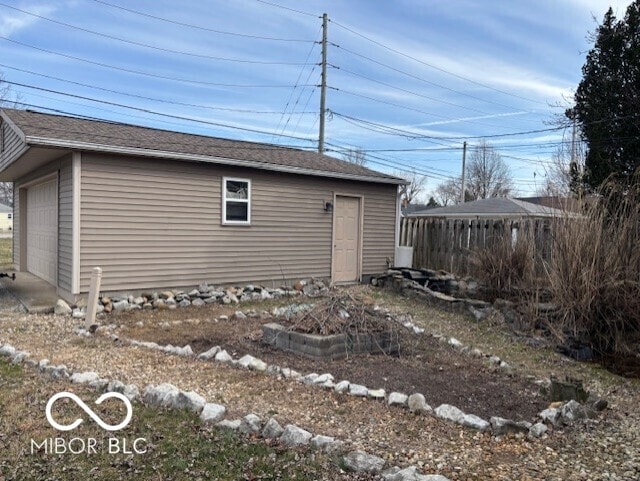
[(92, 301)]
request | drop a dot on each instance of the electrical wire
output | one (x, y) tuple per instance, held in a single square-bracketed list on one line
[(144, 97), (237, 144), (198, 27), (138, 72), (288, 8), (153, 112), (152, 47), (400, 89), (294, 88), (435, 67)]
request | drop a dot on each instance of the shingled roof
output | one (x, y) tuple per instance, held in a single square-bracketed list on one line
[(47, 130), (493, 207)]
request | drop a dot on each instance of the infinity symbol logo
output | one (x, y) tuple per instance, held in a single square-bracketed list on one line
[(87, 409)]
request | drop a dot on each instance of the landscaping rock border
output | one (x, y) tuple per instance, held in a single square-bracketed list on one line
[(169, 396), (415, 402), (197, 297)]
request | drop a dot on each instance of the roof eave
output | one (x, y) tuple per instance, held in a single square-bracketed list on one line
[(75, 145), (489, 215)]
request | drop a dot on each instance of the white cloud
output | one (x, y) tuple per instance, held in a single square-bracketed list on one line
[(12, 21)]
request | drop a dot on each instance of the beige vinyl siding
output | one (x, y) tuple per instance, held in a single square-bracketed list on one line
[(16, 227), (379, 234), (152, 224), (13, 145), (65, 220)]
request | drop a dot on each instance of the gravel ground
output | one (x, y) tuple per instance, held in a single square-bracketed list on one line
[(607, 448)]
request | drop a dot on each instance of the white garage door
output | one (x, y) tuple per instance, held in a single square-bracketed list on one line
[(42, 230)]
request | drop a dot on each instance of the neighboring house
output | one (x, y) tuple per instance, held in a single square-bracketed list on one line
[(6, 217), (410, 209), (563, 203), (493, 208), (156, 209)]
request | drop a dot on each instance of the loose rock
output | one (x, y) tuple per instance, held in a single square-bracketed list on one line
[(189, 400), (295, 436), (418, 404), (362, 462), (450, 413), (212, 413), (250, 424), (272, 429), (397, 399)]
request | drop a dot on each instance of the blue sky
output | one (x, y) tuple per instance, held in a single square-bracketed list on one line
[(409, 80)]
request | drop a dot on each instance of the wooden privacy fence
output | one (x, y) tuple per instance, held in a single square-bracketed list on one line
[(449, 244)]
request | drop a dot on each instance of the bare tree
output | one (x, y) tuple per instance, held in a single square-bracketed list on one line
[(565, 173), (487, 174), (416, 186), (355, 156), (448, 192)]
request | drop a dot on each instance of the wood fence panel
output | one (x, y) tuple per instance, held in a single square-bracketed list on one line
[(449, 244)]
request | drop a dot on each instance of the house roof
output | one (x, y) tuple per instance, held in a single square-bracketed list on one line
[(47, 130), (5, 209), (411, 209), (493, 207), (563, 203)]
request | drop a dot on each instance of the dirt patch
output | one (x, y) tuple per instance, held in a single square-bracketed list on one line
[(441, 373)]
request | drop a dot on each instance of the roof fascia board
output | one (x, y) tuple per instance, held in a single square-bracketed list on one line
[(47, 142)]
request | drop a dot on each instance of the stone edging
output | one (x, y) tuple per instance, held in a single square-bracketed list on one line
[(168, 396), (200, 296), (557, 415)]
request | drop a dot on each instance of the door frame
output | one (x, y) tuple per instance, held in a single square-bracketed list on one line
[(360, 235), (23, 209)]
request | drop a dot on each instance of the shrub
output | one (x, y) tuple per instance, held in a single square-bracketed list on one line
[(507, 264), (594, 273)]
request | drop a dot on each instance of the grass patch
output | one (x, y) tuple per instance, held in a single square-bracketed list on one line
[(6, 253), (178, 446)]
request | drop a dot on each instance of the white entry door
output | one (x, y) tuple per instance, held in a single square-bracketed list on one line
[(42, 230), (346, 245)]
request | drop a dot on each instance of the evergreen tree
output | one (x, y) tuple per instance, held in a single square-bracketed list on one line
[(607, 101)]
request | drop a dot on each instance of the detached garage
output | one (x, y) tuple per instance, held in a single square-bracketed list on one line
[(159, 209)]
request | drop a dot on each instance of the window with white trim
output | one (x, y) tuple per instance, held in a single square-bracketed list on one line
[(236, 201)]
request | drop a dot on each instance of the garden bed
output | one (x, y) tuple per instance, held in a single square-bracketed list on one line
[(423, 364)]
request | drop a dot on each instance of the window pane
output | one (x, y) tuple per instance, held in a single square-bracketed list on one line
[(237, 211), (237, 189)]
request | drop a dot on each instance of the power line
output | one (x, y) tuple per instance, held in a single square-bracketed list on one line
[(138, 72), (249, 146), (198, 27), (416, 77), (143, 97), (294, 88), (430, 137), (341, 69), (395, 164), (348, 92), (466, 79), (287, 8), (139, 109), (153, 47)]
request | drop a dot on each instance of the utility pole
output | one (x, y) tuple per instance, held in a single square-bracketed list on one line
[(323, 84), (464, 167)]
